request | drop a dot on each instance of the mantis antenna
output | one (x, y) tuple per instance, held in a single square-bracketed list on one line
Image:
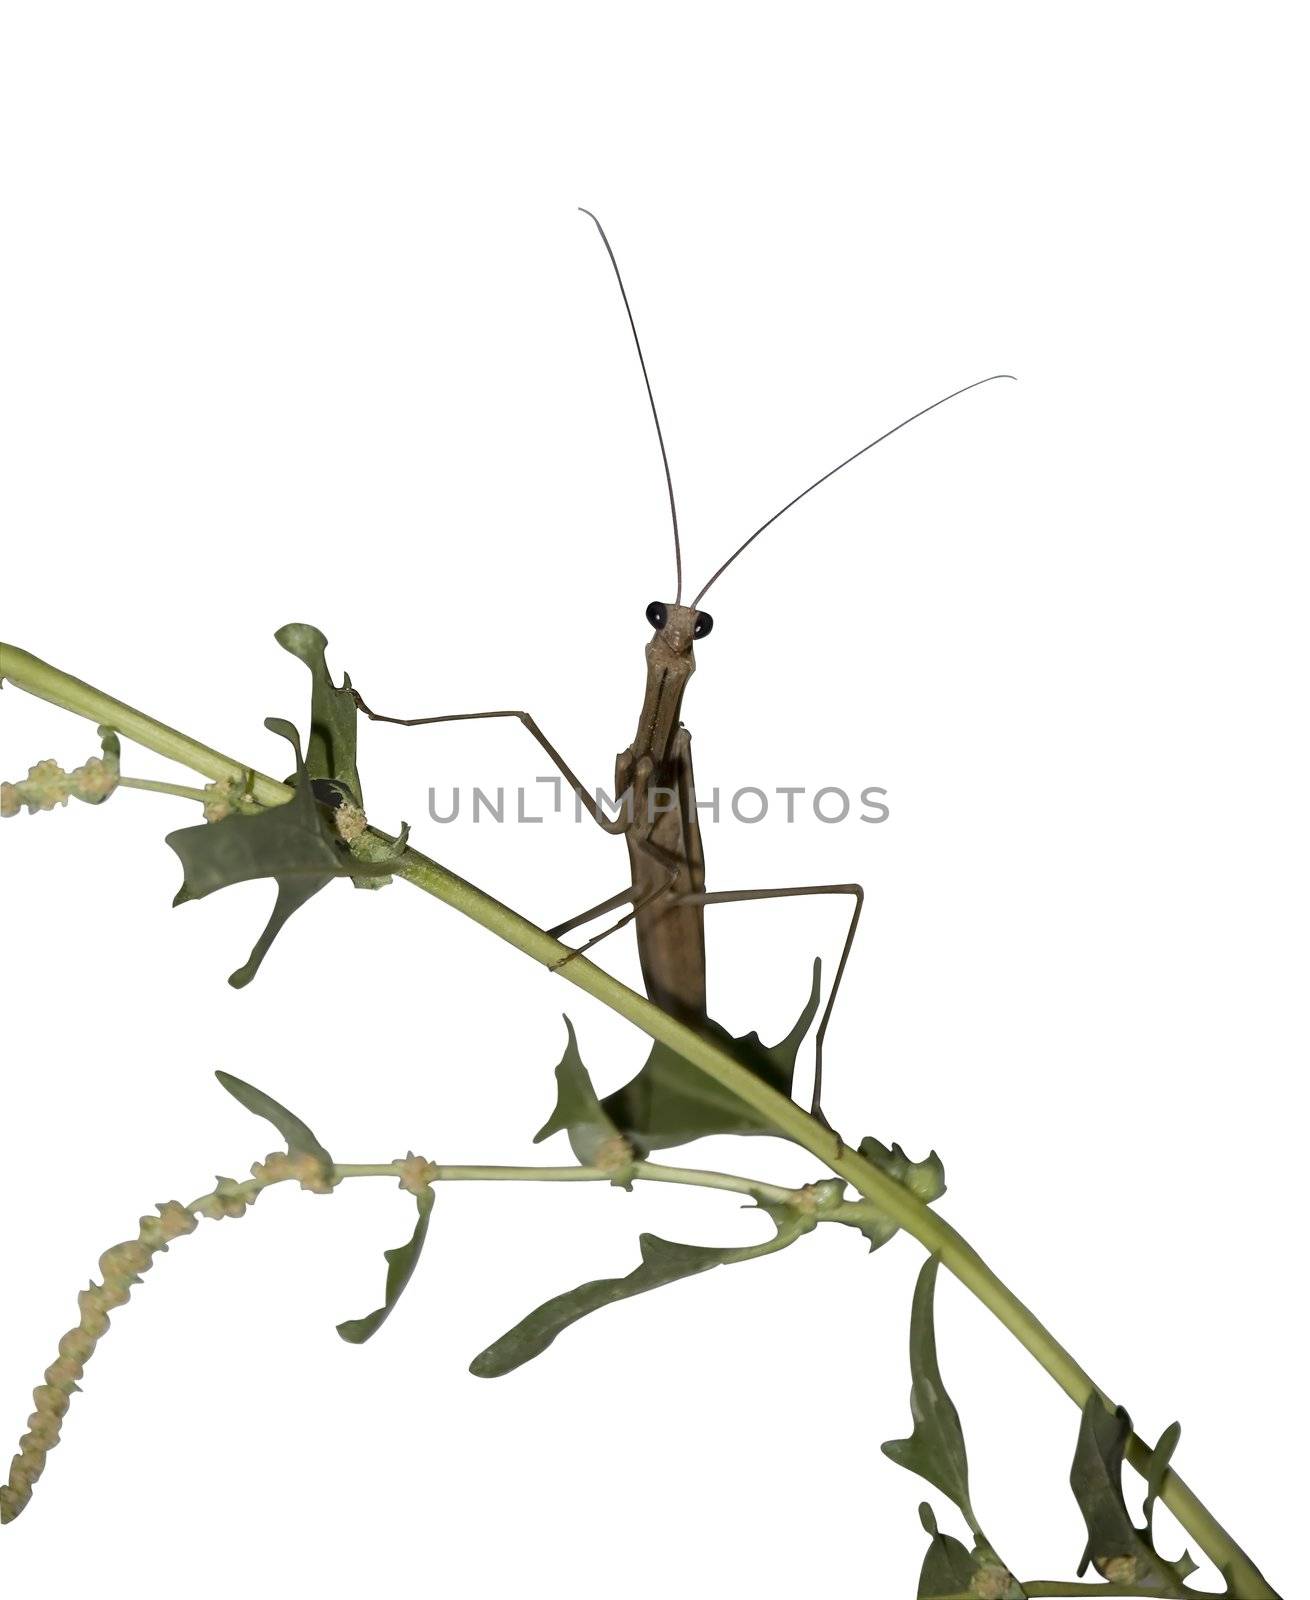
[(650, 395), (977, 384)]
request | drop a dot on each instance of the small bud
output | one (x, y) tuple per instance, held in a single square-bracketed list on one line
[(306, 1169), (76, 1345), (175, 1219), (1118, 1569), (63, 1373), (274, 1168), (95, 780), (94, 1320), (45, 787), (222, 800), (613, 1155), (417, 1174), (991, 1582), (815, 1199), (349, 820), (229, 1199), (130, 1258), (51, 1399)]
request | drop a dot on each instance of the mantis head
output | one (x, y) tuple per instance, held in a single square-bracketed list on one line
[(676, 626)]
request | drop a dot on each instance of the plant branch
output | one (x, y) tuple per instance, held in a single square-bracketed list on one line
[(1034, 1589), (646, 1171), (787, 1118), (155, 786), (121, 1266)]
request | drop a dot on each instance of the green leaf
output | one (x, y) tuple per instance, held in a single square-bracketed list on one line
[(401, 1262), (951, 1571), (670, 1102), (935, 1449), (593, 1138), (1120, 1552), (293, 844), (1156, 1468), (662, 1261), (333, 731), (299, 1137), (333, 714), (926, 1179), (111, 751), (948, 1568)]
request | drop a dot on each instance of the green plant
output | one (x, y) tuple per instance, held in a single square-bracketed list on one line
[(305, 833)]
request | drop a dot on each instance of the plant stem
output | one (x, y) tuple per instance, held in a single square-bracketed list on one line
[(155, 786), (645, 1171), (1035, 1589), (890, 1197), (123, 1264), (39, 678)]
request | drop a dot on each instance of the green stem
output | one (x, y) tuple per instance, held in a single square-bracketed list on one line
[(155, 786), (655, 1172), (645, 1171), (890, 1197), (1036, 1589), (39, 678)]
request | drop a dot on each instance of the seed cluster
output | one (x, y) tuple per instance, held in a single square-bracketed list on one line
[(121, 1268), (47, 785)]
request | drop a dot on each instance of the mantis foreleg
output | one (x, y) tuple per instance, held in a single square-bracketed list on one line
[(586, 798)]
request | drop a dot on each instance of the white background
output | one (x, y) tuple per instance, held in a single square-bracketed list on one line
[(298, 322)]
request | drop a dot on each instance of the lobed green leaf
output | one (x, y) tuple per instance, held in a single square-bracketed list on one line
[(951, 1571), (925, 1179), (935, 1449), (333, 713), (579, 1113), (1156, 1468), (294, 844), (670, 1102), (401, 1262), (1119, 1551), (663, 1261), (298, 1135)]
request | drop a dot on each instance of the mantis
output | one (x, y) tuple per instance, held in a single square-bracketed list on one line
[(666, 895)]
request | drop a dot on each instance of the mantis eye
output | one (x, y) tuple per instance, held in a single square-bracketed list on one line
[(657, 614), (704, 622)]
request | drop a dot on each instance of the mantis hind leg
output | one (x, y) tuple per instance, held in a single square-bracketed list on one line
[(856, 891)]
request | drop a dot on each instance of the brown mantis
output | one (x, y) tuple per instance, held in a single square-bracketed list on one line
[(658, 820)]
